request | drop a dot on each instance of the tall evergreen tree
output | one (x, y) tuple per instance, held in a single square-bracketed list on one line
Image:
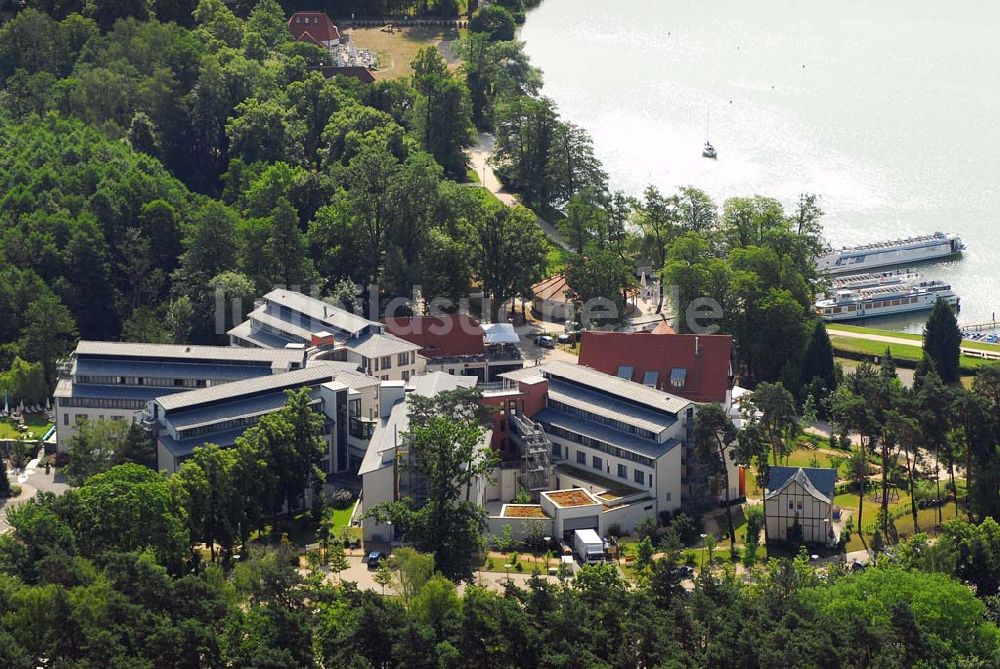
[(942, 340)]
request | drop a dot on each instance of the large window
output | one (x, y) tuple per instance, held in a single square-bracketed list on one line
[(386, 362), (581, 458), (597, 445), (622, 472), (639, 476), (556, 450), (597, 463)]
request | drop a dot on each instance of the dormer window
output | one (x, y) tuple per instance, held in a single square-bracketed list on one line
[(678, 375), (625, 372), (650, 378)]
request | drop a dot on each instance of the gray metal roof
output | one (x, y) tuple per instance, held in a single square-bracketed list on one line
[(319, 310), (200, 416), (65, 388), (606, 384), (187, 353), (169, 370), (610, 407), (610, 436), (384, 438), (818, 481), (378, 345), (318, 373), (186, 447), (260, 315), (259, 338), (429, 385)]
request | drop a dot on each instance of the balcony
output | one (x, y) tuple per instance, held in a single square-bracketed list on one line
[(360, 428)]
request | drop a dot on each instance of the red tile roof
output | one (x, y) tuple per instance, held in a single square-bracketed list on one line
[(440, 336), (706, 374), (663, 327), (554, 288), (313, 27)]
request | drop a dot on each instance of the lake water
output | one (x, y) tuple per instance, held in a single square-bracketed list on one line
[(889, 110)]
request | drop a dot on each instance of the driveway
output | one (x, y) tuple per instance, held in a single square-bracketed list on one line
[(32, 481)]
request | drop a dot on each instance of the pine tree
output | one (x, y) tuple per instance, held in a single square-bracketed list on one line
[(942, 340)]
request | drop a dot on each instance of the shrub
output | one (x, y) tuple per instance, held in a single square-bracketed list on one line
[(342, 498), (496, 21), (687, 528)]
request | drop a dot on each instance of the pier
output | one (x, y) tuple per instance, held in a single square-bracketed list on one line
[(979, 327)]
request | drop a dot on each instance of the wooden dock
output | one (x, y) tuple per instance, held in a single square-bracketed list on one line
[(979, 327)]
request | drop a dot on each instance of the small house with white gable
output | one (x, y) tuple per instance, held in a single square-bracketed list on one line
[(799, 505)]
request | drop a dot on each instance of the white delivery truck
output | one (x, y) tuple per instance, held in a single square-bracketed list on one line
[(588, 546)]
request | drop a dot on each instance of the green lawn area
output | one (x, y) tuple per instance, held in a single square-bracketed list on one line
[(397, 50), (37, 427), (555, 258), (832, 328), (901, 352)]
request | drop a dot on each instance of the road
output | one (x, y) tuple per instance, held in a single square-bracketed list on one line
[(479, 156), (32, 481), (887, 339)]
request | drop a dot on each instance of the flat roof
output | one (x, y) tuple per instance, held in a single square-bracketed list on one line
[(570, 498), (378, 345), (433, 383), (500, 333), (522, 511)]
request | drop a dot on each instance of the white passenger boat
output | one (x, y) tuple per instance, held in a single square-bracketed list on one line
[(847, 305), (875, 279), (861, 259)]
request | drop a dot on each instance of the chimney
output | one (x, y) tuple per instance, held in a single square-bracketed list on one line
[(389, 394)]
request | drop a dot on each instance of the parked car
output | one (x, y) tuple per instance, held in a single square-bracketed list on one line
[(570, 337), (685, 571), (373, 558), (545, 341)]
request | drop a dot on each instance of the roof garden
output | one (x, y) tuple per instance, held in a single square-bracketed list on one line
[(522, 511), (570, 498)]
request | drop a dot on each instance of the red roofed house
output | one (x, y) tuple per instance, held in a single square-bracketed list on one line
[(550, 299), (458, 344), (314, 28), (696, 367)]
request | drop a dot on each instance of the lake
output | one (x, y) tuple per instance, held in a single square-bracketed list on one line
[(889, 110)]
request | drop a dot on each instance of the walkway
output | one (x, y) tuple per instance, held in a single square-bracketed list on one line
[(479, 156), (887, 339)]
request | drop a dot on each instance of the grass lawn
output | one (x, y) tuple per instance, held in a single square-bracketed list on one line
[(397, 50), (901, 352), (832, 329), (37, 427), (555, 258)]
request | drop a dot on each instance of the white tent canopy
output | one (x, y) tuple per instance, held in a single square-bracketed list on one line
[(500, 333)]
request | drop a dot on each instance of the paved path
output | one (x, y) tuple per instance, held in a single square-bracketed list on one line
[(479, 156), (887, 339), (32, 480)]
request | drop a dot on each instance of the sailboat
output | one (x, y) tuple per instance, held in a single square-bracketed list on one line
[(709, 150)]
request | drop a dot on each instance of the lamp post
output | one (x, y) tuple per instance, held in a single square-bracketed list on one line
[(389, 523), (506, 568), (703, 548)]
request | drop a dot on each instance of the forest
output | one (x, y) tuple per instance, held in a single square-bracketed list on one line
[(153, 155)]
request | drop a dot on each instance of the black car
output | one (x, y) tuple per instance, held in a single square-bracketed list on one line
[(685, 572), (373, 558)]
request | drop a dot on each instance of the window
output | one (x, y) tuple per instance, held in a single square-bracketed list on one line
[(597, 463), (406, 375), (503, 425), (557, 450), (375, 364), (65, 419), (639, 476), (386, 362), (650, 378), (403, 359), (798, 505), (791, 505), (622, 472), (678, 375), (581, 458), (668, 496), (625, 372)]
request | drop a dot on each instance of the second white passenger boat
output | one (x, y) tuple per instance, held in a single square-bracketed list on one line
[(857, 259), (848, 305)]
